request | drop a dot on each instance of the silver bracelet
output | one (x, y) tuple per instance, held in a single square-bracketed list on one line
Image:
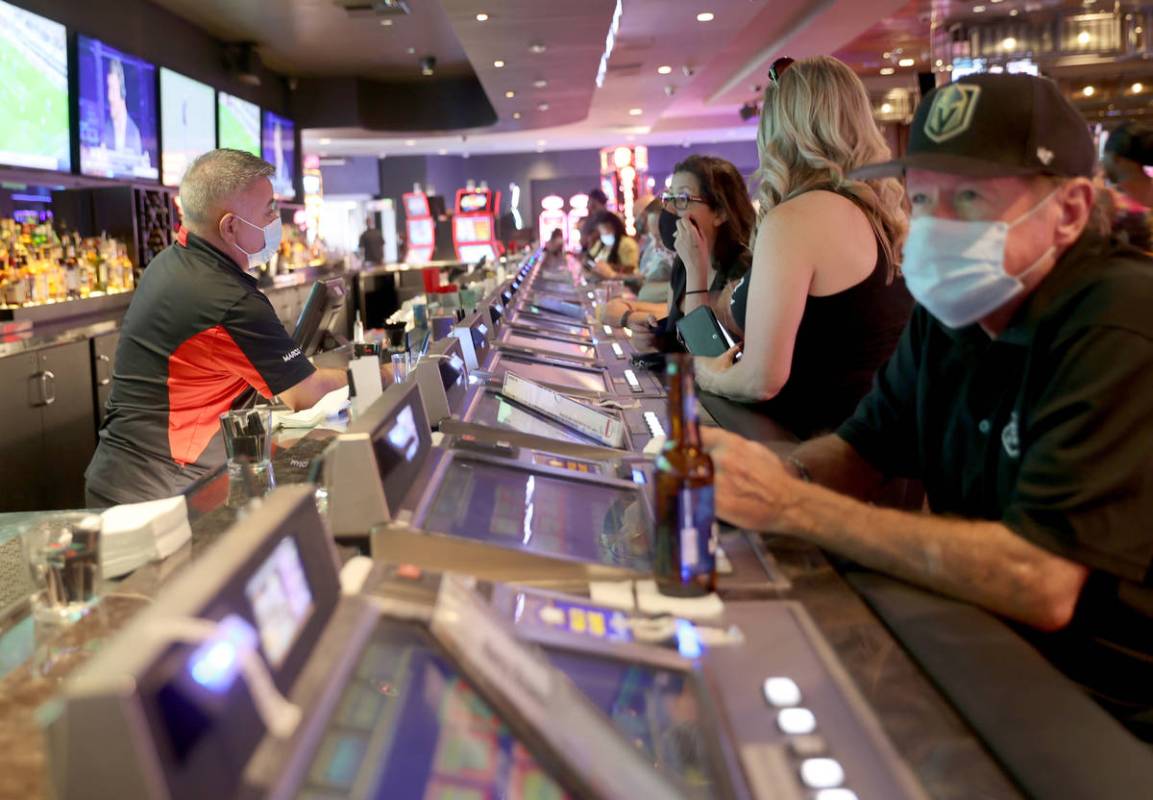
[(802, 470)]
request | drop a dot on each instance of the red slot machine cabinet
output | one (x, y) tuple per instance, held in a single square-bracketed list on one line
[(420, 228), (579, 205), (551, 218), (474, 225)]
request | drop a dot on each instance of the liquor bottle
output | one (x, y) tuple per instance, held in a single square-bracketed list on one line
[(685, 546)]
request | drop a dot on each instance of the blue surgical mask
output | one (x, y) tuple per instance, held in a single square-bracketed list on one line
[(272, 233), (608, 239), (956, 269)]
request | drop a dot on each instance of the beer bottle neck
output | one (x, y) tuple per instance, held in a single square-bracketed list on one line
[(683, 423)]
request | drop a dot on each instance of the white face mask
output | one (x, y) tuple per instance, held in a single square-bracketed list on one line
[(272, 232), (956, 269), (608, 239)]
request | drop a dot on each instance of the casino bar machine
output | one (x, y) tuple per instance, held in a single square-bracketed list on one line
[(474, 224)]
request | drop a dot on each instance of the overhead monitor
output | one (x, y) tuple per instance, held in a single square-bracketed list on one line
[(33, 91), (188, 128), (279, 150), (239, 123), (117, 103)]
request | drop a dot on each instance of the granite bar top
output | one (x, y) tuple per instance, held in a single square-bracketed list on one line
[(40, 336)]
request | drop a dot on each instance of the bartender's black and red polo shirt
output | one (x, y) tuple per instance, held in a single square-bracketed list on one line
[(1049, 429), (197, 335)]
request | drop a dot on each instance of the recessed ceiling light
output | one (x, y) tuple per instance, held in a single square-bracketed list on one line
[(537, 47), (1136, 88), (542, 107), (482, 17), (887, 70), (516, 115), (498, 64), (886, 108), (978, 9), (1083, 38), (412, 51), (510, 94), (409, 142), (1088, 91), (1009, 43), (940, 62), (540, 84), (326, 141), (886, 55), (386, 23), (1014, 12), (906, 62), (664, 70), (706, 16), (636, 112)]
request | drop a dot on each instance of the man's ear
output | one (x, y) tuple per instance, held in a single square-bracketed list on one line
[(1075, 201)]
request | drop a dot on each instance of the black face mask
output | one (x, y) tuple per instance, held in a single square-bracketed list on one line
[(668, 227)]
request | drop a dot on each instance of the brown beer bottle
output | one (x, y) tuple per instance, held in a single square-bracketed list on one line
[(685, 546)]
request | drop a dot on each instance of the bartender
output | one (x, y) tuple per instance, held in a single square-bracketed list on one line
[(1021, 394), (197, 335)]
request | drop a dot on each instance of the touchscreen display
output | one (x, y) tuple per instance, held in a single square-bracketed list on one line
[(281, 600), (492, 409), (547, 345), (541, 323), (510, 506), (408, 726), (585, 380)]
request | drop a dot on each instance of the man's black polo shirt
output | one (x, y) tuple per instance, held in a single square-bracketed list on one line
[(1049, 429), (197, 334)]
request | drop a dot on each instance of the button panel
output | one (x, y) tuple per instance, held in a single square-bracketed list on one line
[(782, 692)]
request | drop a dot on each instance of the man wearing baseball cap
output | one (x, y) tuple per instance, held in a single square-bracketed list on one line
[(1021, 395)]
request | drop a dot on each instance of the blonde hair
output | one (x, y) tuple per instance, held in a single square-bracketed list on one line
[(816, 127)]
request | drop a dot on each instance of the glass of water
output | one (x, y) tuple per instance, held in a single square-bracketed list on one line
[(63, 554)]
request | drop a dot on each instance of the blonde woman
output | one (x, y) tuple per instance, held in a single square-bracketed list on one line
[(823, 305)]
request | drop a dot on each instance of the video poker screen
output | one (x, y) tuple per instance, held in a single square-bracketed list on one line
[(512, 506), (188, 124), (279, 150), (117, 103), (33, 91)]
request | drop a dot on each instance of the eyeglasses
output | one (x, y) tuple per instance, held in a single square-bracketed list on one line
[(680, 201), (778, 68)]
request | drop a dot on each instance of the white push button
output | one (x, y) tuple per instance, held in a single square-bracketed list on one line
[(608, 330), (796, 721), (617, 351), (782, 692), (822, 773), (835, 794), (551, 615)]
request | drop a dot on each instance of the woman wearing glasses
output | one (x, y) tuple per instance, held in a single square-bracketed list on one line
[(823, 305), (707, 220)]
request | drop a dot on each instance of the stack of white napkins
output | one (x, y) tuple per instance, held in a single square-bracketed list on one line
[(137, 533), (328, 406)]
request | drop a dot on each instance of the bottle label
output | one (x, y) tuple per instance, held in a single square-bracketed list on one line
[(697, 525)]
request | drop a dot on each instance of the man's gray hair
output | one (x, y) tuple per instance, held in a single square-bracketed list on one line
[(215, 177)]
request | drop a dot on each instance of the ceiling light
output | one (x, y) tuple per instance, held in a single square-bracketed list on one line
[(510, 94), (1083, 38), (994, 2), (1088, 91), (664, 69), (886, 108), (887, 70), (542, 107), (636, 112), (1014, 12), (1009, 43), (537, 47), (1136, 88), (978, 9), (482, 17), (706, 16), (412, 51), (498, 64), (386, 23), (540, 84), (906, 62), (326, 141), (409, 142), (516, 115), (940, 62)]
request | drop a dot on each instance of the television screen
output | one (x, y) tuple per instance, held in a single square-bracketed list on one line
[(188, 128), (117, 112), (239, 123), (280, 151), (33, 91)]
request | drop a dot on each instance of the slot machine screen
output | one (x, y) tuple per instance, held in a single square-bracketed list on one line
[(34, 126), (117, 104), (281, 600)]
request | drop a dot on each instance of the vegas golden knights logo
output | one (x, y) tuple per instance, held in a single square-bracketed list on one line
[(952, 111)]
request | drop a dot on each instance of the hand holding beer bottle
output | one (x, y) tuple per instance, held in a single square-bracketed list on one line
[(685, 544)]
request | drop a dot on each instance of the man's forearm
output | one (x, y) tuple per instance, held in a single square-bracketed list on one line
[(832, 462), (977, 561)]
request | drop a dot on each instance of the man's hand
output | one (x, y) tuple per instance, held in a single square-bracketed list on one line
[(614, 310), (753, 488)]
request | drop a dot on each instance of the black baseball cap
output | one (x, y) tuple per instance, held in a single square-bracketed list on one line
[(1132, 140), (989, 126)]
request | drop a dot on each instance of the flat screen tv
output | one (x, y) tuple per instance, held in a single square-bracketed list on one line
[(117, 102), (239, 122), (188, 124), (33, 91), (279, 149)]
